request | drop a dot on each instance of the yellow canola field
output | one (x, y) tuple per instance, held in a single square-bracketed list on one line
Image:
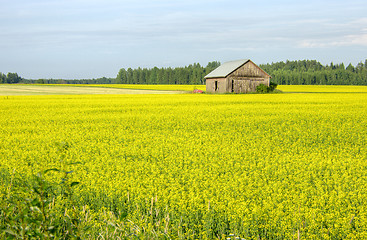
[(159, 87), (190, 88), (283, 88), (322, 89), (269, 166), (165, 87)]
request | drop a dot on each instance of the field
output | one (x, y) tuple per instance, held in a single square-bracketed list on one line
[(190, 166), (188, 88), (61, 89), (83, 89)]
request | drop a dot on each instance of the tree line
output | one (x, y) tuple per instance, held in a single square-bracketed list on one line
[(312, 72), (10, 78), (193, 74), (102, 80), (302, 72)]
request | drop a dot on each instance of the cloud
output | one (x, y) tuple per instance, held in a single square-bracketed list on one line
[(348, 34), (344, 41), (359, 22), (109, 32)]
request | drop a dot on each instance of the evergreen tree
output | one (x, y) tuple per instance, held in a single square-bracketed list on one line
[(350, 68), (129, 76), (13, 78), (2, 78), (121, 76)]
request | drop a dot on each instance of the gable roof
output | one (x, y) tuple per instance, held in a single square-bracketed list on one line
[(227, 68)]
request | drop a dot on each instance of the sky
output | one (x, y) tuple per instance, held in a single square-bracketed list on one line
[(79, 39)]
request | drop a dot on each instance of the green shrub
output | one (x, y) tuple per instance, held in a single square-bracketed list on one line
[(262, 88), (272, 86)]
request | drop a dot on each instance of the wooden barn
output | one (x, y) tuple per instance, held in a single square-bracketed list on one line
[(241, 76)]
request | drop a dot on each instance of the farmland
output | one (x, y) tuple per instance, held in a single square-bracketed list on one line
[(258, 166), (76, 89), (85, 89)]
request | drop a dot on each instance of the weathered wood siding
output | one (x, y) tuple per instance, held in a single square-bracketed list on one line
[(246, 78), (220, 87), (244, 85), (249, 70)]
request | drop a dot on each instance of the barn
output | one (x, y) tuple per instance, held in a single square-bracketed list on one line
[(241, 76)]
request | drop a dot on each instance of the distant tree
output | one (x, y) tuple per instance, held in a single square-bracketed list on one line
[(153, 76), (2, 78), (144, 76), (359, 68), (129, 76), (312, 72), (13, 78), (40, 81), (61, 81), (121, 76), (211, 66), (160, 76), (350, 68), (341, 66), (135, 77)]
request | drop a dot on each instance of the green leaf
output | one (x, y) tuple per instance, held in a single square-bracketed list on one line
[(35, 189), (74, 163), (35, 202), (73, 184), (35, 209), (8, 231), (51, 169)]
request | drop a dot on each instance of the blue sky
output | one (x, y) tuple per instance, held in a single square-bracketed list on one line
[(74, 39)]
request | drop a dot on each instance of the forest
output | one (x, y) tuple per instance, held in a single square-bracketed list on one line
[(312, 72), (301, 72)]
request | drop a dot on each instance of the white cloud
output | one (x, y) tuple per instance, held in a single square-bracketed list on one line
[(360, 21), (344, 41), (137, 31), (346, 34)]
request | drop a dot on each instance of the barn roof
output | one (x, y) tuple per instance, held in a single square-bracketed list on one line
[(226, 68)]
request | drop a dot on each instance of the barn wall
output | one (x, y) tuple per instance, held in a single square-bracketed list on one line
[(245, 85), (247, 78), (249, 70), (221, 85)]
